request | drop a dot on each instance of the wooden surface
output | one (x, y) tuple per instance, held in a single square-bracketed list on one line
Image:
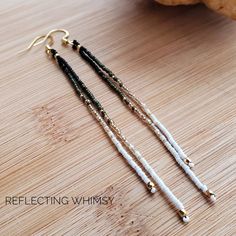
[(180, 61)]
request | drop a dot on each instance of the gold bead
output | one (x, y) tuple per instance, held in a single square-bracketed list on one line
[(210, 193), (150, 185), (183, 213), (187, 160)]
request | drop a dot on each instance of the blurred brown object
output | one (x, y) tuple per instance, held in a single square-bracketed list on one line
[(227, 8)]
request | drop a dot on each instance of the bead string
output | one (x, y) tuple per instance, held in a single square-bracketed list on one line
[(89, 100), (147, 116)]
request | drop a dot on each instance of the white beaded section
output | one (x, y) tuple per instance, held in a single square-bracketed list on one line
[(159, 125), (171, 147), (120, 148), (142, 160), (186, 168), (164, 131), (154, 120), (125, 154), (172, 198)]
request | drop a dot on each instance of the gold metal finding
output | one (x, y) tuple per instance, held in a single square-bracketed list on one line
[(150, 185), (65, 39), (34, 43), (188, 162), (210, 193), (183, 213)]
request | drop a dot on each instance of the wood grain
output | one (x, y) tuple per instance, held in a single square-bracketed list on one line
[(180, 61)]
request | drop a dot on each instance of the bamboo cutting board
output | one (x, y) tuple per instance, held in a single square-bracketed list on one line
[(180, 61)]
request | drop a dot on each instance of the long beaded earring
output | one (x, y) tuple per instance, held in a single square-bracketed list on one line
[(112, 130), (142, 111), (139, 109)]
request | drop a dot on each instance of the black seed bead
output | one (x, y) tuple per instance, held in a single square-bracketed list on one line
[(83, 98), (109, 122), (102, 113), (126, 101), (110, 73), (77, 91), (82, 49), (75, 44)]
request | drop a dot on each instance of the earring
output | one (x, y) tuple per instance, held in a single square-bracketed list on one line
[(140, 109), (111, 128)]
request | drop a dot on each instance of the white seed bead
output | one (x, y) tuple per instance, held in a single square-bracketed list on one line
[(186, 219), (213, 198), (153, 190), (191, 165)]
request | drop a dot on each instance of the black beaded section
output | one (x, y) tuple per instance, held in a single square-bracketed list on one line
[(67, 71), (75, 44), (99, 63), (75, 78), (99, 69), (85, 54), (68, 74), (81, 89)]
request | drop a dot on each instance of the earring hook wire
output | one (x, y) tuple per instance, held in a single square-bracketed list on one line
[(65, 38), (34, 42)]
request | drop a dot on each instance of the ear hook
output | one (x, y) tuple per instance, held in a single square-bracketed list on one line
[(34, 43), (64, 39)]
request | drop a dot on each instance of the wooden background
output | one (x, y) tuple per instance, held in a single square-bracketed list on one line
[(181, 61)]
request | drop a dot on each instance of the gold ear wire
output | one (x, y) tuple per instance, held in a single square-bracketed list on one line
[(34, 42), (65, 38)]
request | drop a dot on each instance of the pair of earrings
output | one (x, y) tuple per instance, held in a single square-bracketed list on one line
[(130, 153)]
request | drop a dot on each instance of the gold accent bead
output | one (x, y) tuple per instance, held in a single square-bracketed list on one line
[(183, 213), (187, 160), (210, 193), (150, 185)]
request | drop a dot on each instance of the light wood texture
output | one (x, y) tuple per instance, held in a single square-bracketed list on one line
[(180, 61)]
